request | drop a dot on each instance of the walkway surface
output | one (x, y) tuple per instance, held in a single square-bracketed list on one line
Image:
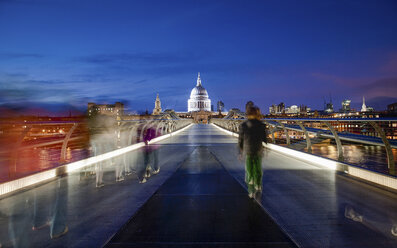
[(316, 207), (201, 205)]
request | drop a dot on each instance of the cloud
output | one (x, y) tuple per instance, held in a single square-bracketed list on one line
[(20, 56), (391, 65), (386, 87), (340, 81), (19, 89), (138, 58), (42, 109)]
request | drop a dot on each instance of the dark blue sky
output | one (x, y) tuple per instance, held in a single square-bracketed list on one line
[(56, 53)]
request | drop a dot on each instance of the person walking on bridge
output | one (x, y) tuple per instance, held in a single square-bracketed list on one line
[(252, 133)]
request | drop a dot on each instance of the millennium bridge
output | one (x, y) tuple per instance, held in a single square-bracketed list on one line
[(77, 184)]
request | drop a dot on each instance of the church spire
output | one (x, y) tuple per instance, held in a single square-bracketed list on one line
[(363, 107), (198, 80), (157, 106)]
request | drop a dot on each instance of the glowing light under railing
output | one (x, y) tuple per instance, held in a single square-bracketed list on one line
[(11, 186), (224, 130), (330, 164), (89, 161), (168, 135)]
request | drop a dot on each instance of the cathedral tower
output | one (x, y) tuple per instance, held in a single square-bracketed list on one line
[(157, 106)]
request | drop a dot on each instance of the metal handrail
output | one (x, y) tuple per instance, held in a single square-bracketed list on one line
[(230, 124), (119, 132), (332, 119)]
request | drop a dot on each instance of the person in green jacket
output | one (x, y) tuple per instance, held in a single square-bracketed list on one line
[(252, 133)]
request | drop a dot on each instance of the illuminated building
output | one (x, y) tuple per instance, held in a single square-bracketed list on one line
[(329, 107), (199, 100), (363, 107), (116, 109), (157, 106), (277, 109), (292, 110), (345, 106)]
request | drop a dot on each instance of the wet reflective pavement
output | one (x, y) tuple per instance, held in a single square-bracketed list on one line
[(201, 205)]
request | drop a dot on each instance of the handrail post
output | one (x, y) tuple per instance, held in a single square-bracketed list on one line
[(65, 142), (390, 158), (14, 154), (337, 140), (286, 133), (308, 142)]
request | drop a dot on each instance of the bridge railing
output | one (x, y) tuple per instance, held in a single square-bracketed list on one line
[(290, 131), (48, 144)]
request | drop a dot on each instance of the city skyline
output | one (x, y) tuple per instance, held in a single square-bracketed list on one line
[(64, 54)]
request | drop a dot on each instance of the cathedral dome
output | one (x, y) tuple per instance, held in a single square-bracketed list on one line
[(198, 92), (199, 99)]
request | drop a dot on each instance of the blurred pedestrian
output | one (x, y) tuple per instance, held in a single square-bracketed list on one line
[(248, 105), (252, 133), (151, 157)]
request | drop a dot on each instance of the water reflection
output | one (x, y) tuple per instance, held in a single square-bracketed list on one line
[(371, 157)]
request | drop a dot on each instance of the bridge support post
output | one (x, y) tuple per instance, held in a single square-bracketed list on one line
[(14, 155), (65, 142), (390, 158), (272, 132), (273, 138), (286, 133), (308, 142), (337, 140)]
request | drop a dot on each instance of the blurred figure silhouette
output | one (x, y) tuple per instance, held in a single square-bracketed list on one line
[(102, 137), (150, 157), (118, 161), (40, 213), (20, 222), (387, 227), (125, 158), (248, 105), (252, 133), (58, 223), (97, 148)]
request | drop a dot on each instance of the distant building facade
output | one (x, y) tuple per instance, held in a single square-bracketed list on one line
[(116, 109), (345, 106), (328, 107), (277, 109), (392, 108), (292, 110)]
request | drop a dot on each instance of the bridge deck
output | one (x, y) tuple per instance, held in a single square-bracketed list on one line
[(201, 205), (316, 207)]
